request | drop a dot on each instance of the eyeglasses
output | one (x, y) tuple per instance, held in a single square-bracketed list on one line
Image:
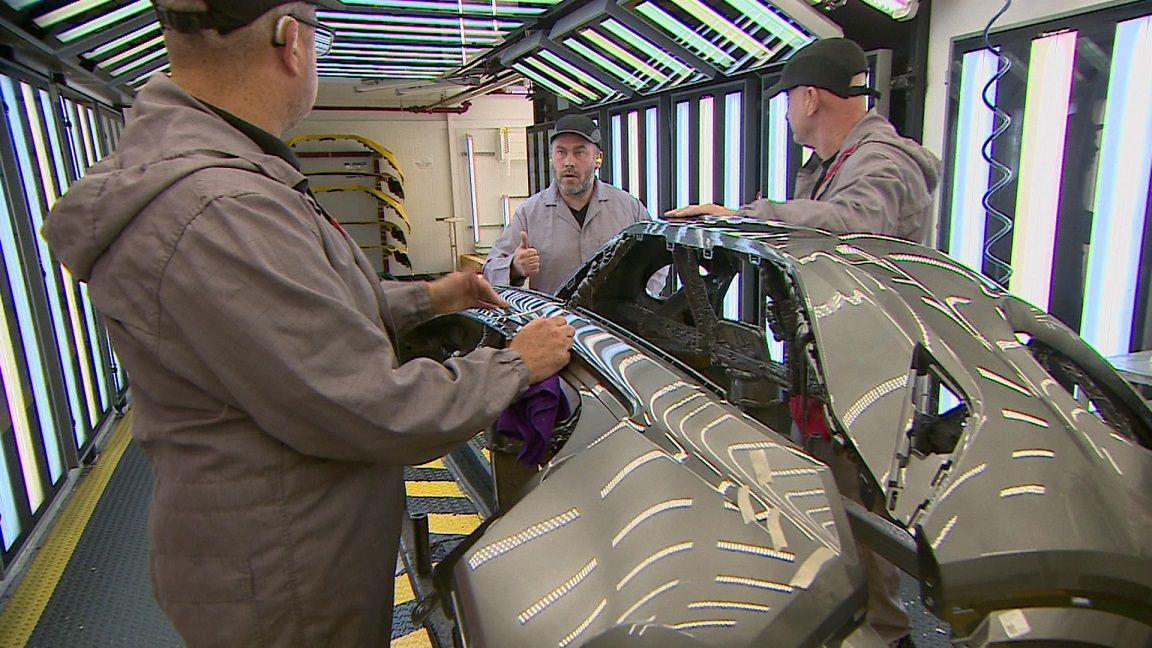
[(324, 36)]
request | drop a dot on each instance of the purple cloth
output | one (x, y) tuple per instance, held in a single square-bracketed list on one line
[(533, 418)]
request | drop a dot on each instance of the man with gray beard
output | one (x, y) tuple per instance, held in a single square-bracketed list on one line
[(555, 231)]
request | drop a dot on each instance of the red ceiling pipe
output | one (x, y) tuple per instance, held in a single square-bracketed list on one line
[(456, 110)]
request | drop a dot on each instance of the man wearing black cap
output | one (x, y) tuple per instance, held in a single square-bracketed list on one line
[(266, 389), (864, 176), (555, 231)]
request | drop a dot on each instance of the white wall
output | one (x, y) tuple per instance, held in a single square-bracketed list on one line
[(430, 151), (957, 19)]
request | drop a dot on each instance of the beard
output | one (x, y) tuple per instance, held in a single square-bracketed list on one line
[(576, 190)]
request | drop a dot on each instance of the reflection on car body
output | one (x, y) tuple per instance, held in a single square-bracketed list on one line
[(1011, 461)]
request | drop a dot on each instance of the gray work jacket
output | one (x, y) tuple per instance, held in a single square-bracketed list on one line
[(267, 394), (563, 245), (880, 183)]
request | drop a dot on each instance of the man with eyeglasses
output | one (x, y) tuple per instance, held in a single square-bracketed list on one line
[(556, 230), (266, 388)]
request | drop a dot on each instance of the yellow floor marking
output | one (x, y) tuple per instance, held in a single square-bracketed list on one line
[(19, 618), (403, 590), (433, 489), (450, 523), (439, 463), (417, 639)]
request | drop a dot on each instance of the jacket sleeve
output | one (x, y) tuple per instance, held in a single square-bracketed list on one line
[(255, 314), (872, 193), (498, 266), (408, 303)]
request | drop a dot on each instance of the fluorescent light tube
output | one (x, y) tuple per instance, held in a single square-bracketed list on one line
[(1120, 212), (1041, 166)]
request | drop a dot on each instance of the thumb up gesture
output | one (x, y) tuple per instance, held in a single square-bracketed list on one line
[(526, 260)]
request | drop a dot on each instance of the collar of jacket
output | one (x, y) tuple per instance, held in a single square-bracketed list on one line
[(868, 125), (267, 142), (212, 131), (552, 194)]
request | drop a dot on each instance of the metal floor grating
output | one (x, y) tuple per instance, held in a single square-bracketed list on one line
[(103, 597)]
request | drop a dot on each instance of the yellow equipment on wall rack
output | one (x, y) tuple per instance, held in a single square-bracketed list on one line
[(387, 189)]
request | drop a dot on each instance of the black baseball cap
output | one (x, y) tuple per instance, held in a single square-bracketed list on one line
[(226, 16), (830, 64), (577, 125)]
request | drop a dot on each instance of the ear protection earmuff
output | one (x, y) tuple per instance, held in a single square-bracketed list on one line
[(280, 34)]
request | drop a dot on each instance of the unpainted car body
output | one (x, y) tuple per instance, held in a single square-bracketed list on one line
[(1010, 463)]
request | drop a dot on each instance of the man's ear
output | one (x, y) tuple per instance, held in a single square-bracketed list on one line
[(811, 100), (288, 33)]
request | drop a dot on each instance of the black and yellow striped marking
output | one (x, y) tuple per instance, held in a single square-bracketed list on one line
[(451, 516), (21, 614), (430, 487)]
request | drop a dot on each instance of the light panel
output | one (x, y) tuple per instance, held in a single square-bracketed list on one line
[(617, 152), (1120, 210), (722, 26), (136, 63), (117, 43), (897, 9), (706, 151), (94, 336), (33, 168), (585, 90), (777, 146), (470, 153), (603, 63), (678, 68), (650, 158), (79, 151), (104, 21), (59, 317), (680, 137), (634, 153), (139, 81), (584, 79), (12, 343), (1041, 166), (69, 11), (685, 36), (733, 125), (14, 399), (969, 170), (154, 43), (462, 8)]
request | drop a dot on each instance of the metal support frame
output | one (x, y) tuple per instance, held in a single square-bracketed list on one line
[(57, 59)]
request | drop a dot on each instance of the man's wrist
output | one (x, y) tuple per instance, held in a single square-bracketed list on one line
[(436, 297)]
